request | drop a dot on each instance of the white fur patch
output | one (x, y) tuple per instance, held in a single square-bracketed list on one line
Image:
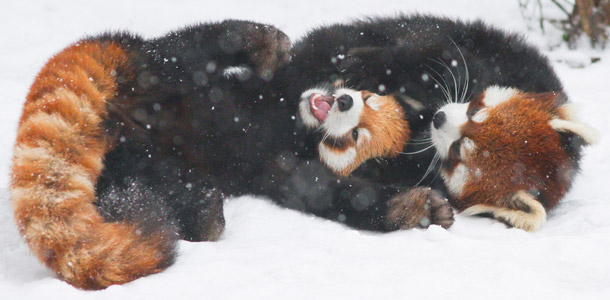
[(569, 111), (480, 116), (450, 131), (305, 111), (336, 161), (528, 221), (363, 134), (338, 123), (467, 147), (373, 103), (456, 181), (587, 133), (495, 95)]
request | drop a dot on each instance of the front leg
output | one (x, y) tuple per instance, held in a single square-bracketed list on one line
[(198, 209), (356, 202), (265, 47), (418, 207)]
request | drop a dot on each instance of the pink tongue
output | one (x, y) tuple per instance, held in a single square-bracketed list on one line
[(319, 106), (322, 112)]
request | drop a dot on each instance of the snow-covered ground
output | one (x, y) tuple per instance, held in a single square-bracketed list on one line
[(268, 252)]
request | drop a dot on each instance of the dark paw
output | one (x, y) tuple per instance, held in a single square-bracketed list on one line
[(266, 47), (203, 218), (365, 66), (418, 207)]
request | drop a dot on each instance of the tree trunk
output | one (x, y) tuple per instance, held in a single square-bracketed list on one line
[(592, 16)]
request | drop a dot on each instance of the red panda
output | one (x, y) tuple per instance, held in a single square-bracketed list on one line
[(57, 160), (509, 154), (506, 153), (362, 125), (101, 190)]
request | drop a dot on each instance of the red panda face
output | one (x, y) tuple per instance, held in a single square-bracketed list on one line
[(503, 142), (349, 120)]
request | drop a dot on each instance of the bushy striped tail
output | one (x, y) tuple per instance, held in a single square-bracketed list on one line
[(58, 158)]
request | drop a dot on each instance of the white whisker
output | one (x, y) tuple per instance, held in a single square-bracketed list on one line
[(418, 151), (421, 143), (442, 63), (433, 163), (467, 81), (326, 135), (444, 88), (437, 173)]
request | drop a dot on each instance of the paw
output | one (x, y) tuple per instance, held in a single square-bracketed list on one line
[(365, 66), (202, 219), (418, 207), (266, 47)]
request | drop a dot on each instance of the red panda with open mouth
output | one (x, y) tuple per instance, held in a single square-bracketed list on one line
[(506, 153), (349, 120), (509, 154)]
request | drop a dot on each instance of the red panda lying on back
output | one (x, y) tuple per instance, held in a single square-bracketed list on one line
[(507, 154)]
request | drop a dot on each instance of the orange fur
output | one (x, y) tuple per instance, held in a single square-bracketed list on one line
[(516, 149), (57, 160), (517, 166), (388, 129)]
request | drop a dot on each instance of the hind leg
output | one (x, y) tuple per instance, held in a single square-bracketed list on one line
[(131, 200), (194, 212), (200, 214), (197, 208), (522, 211)]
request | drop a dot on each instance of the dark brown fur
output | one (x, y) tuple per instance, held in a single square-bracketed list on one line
[(419, 207)]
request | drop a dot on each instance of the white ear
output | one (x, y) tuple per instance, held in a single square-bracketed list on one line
[(529, 220), (568, 111), (586, 132)]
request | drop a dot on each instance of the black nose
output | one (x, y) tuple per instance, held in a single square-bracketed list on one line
[(439, 119), (345, 102)]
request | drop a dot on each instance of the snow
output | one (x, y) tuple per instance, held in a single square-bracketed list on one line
[(269, 252)]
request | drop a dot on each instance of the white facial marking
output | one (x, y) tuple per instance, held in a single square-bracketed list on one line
[(338, 123), (455, 182), (467, 147), (480, 116), (450, 131), (363, 134), (334, 160), (495, 95), (304, 110)]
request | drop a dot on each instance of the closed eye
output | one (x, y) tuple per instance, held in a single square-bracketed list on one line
[(472, 111)]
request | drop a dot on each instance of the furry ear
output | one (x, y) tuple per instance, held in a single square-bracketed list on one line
[(568, 123), (366, 95), (523, 211)]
